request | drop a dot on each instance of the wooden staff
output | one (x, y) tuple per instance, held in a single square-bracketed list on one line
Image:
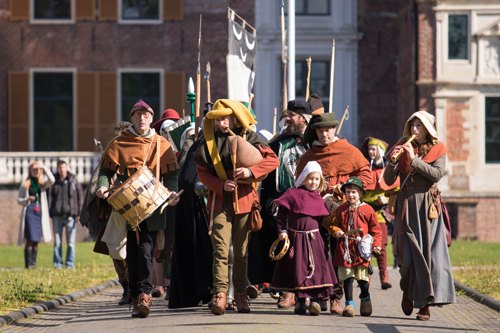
[(332, 68), (309, 60), (402, 150), (344, 116), (197, 103), (284, 57), (250, 102), (274, 121)]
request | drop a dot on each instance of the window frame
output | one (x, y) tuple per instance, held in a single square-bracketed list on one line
[(324, 99), (71, 20), (121, 71), (447, 36), (329, 2), (484, 126), (121, 20), (32, 72)]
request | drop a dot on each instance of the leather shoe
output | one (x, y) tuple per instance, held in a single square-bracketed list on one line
[(144, 304), (335, 306), (158, 291), (314, 309), (424, 313), (241, 302), (323, 305), (300, 308), (406, 304), (135, 308), (252, 291), (287, 299), (218, 304)]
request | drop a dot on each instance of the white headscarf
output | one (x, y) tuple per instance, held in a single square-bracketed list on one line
[(311, 166), (427, 119)]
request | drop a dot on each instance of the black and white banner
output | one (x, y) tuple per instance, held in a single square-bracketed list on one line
[(241, 59)]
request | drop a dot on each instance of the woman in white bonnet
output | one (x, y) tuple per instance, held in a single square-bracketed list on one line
[(419, 238)]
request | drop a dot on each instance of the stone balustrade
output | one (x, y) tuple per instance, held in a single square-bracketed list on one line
[(14, 165)]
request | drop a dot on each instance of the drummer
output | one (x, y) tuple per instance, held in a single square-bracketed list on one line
[(123, 156), (216, 172)]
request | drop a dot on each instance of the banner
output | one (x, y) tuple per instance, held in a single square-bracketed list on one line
[(241, 59)]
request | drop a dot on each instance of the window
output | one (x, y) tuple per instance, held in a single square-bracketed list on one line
[(320, 80), (457, 37), (52, 9), (492, 130), (311, 7), (140, 10), (145, 86), (53, 111)]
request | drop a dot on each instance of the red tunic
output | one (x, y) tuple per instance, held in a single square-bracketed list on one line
[(246, 193), (366, 219)]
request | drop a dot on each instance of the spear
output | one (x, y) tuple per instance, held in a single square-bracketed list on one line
[(284, 57), (332, 67), (309, 60), (207, 80), (198, 72)]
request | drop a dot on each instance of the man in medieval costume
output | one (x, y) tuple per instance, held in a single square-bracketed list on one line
[(230, 211), (339, 161), (125, 155)]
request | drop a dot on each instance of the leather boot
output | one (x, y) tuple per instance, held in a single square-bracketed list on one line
[(144, 305), (366, 306), (34, 253), (27, 258), (287, 299), (335, 306), (314, 309), (406, 304), (241, 302), (126, 298), (135, 308), (252, 291), (384, 280), (218, 304)]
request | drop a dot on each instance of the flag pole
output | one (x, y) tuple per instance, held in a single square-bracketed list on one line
[(332, 68)]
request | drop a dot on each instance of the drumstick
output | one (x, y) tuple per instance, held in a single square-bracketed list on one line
[(157, 184), (169, 201), (401, 151)]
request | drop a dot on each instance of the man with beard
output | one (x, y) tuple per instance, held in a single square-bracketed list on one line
[(339, 160), (288, 147)]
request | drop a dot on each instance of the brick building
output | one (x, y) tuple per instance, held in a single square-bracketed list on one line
[(86, 63)]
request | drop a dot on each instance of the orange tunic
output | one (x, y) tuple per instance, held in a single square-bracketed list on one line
[(339, 161)]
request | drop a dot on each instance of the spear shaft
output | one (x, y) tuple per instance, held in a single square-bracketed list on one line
[(198, 72)]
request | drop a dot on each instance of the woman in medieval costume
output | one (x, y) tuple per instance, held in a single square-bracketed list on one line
[(419, 238)]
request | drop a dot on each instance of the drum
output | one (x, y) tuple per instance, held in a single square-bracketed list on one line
[(132, 198)]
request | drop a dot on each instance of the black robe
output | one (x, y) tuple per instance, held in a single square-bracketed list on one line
[(192, 278), (260, 266)]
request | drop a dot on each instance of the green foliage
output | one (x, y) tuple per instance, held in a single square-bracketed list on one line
[(20, 288)]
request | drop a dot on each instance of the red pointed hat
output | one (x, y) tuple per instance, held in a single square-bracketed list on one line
[(167, 114), (141, 105)]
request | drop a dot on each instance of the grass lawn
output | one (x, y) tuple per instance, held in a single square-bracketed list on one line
[(23, 287), (479, 264)]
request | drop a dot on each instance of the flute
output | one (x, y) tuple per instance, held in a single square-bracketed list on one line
[(401, 151)]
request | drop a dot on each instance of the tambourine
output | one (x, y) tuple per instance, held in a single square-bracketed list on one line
[(274, 246)]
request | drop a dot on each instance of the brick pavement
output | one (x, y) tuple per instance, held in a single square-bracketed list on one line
[(102, 314)]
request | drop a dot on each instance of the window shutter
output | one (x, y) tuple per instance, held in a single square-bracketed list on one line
[(108, 10), (173, 10), (19, 111), (87, 111), (85, 10), (175, 95), (19, 10), (108, 110)]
